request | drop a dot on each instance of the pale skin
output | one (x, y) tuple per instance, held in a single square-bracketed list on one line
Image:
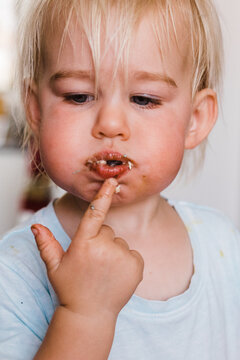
[(100, 271)]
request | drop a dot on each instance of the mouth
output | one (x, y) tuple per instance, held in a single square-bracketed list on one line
[(110, 164)]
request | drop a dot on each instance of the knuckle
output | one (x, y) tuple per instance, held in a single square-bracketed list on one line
[(96, 214), (106, 196), (138, 258), (121, 242), (103, 197), (107, 231)]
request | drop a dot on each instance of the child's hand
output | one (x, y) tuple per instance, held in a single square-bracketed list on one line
[(98, 272)]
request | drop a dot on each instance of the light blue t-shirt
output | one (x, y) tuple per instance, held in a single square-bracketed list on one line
[(203, 323)]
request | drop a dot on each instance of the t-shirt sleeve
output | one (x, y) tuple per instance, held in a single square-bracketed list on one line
[(26, 301)]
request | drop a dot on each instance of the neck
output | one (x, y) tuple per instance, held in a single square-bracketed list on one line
[(135, 218)]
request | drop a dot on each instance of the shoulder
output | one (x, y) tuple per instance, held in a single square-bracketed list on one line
[(208, 217), (20, 261), (19, 256), (217, 236), (212, 229), (21, 267), (20, 239)]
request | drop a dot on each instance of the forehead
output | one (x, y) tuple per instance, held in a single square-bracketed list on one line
[(144, 47)]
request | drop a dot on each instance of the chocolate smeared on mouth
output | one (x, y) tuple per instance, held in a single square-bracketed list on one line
[(110, 160), (114, 162), (110, 164)]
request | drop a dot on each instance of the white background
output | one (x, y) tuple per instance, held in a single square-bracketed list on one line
[(217, 185)]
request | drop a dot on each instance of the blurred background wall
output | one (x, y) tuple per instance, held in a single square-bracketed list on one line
[(13, 167), (217, 185)]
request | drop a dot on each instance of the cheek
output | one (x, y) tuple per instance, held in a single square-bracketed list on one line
[(61, 142), (163, 156), (164, 168)]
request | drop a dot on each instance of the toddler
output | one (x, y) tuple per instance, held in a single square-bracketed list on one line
[(114, 92)]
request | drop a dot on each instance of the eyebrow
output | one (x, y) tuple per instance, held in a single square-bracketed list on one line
[(79, 74), (144, 75), (88, 75)]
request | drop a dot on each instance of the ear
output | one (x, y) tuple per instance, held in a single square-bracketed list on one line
[(33, 109), (203, 118)]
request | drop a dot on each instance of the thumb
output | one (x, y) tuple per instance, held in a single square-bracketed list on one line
[(50, 250)]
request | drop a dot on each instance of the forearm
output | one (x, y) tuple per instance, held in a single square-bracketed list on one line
[(74, 336)]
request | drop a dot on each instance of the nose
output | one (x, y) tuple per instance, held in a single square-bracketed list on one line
[(111, 122)]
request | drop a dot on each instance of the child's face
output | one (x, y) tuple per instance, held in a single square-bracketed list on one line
[(146, 119)]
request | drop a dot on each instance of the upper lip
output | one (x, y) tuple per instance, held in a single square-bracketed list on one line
[(109, 155)]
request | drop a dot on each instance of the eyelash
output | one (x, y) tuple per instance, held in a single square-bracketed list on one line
[(148, 102), (151, 102), (73, 98)]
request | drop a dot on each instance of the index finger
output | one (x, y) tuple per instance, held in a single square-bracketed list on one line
[(95, 215)]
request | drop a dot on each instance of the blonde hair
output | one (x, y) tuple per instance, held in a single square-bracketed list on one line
[(38, 18)]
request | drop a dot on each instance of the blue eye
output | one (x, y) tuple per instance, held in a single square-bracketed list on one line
[(145, 101), (79, 98)]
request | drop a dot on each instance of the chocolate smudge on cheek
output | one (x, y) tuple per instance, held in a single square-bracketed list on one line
[(142, 185)]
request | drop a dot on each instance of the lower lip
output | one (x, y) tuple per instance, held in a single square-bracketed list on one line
[(106, 171)]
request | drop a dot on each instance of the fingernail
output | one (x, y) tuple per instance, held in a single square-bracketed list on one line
[(35, 231)]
